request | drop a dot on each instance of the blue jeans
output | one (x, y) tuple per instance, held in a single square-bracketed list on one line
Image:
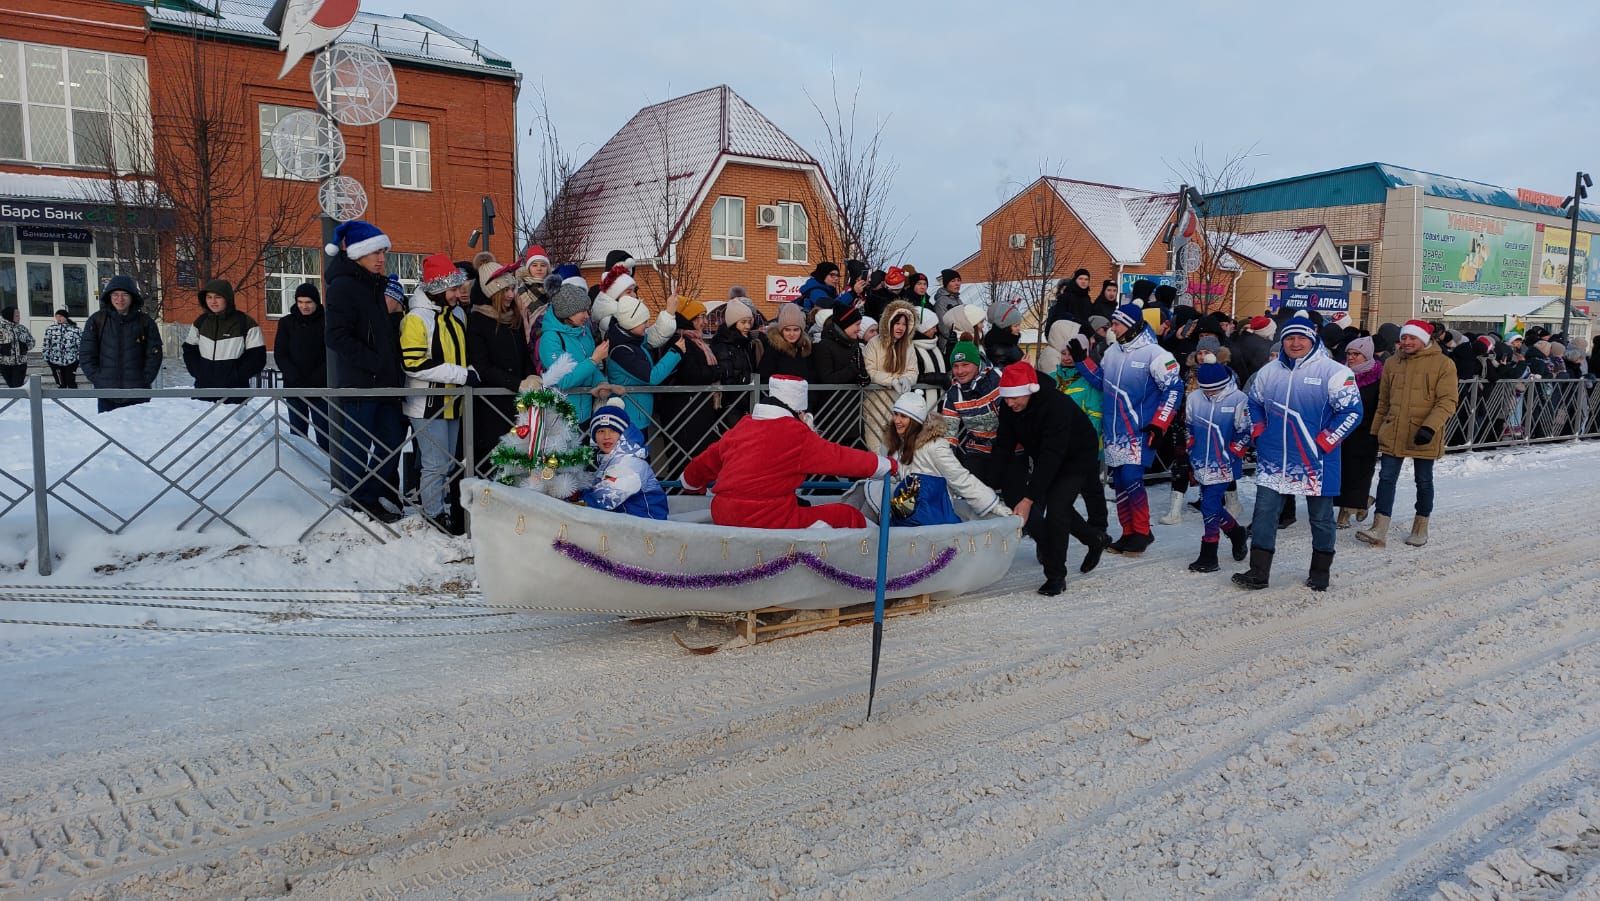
[(368, 436), (1269, 503), (1389, 477), (436, 446)]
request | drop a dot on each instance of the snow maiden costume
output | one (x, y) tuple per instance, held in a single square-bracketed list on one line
[(923, 495), (755, 469)]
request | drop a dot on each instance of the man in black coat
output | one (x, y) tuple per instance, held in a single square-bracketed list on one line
[(1072, 301), (300, 352), (1252, 347), (1064, 448), (363, 336), (121, 345)]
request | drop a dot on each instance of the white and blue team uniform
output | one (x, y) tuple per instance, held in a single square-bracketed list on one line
[(1219, 438), (1303, 410)]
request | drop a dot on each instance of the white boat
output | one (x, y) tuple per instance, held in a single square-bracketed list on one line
[(537, 551)]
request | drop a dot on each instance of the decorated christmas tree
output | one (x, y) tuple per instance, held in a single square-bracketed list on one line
[(545, 450)]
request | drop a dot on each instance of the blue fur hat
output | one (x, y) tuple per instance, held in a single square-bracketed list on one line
[(358, 239)]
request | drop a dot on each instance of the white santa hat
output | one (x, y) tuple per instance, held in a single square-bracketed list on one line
[(790, 390), (1418, 329)]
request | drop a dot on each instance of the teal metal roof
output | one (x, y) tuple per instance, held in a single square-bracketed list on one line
[(1369, 183)]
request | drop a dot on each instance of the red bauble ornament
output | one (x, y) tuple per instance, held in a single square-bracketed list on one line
[(522, 431)]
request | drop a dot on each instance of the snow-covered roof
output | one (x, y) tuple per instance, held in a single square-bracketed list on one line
[(1278, 248), (626, 192), (411, 38), (60, 187), (1497, 307), (1126, 221)]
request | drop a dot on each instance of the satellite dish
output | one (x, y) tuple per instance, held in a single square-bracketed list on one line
[(308, 145), (354, 84), (342, 198)]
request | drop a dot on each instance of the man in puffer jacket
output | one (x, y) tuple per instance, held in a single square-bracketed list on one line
[(1141, 385), (121, 346), (224, 348), (1302, 406), (15, 342)]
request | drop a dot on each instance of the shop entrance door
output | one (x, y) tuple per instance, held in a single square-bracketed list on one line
[(50, 284)]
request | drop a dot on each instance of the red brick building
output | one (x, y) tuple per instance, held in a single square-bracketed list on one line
[(706, 193), (96, 91)]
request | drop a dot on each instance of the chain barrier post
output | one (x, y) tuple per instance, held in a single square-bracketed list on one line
[(41, 483)]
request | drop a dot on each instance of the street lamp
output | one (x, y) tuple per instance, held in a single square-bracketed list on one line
[(1580, 190)]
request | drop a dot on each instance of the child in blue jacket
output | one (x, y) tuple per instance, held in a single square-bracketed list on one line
[(1218, 416)]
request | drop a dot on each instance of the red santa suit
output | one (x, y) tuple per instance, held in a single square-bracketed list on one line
[(759, 464)]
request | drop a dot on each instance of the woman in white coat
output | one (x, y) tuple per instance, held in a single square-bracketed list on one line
[(930, 475)]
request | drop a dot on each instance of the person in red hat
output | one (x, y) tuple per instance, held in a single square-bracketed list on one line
[(1251, 348), (756, 467), (1416, 398), (1064, 448)]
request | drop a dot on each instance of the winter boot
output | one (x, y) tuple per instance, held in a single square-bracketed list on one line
[(1136, 543), (1255, 578), (1378, 535), (1419, 532), (1175, 514), (1345, 516), (1207, 561), (1091, 557), (1240, 536), (1052, 587), (1230, 503), (1361, 513), (1321, 562)]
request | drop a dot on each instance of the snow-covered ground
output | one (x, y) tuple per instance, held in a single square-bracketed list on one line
[(1430, 725)]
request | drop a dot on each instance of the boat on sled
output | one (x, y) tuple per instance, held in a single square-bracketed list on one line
[(538, 551)]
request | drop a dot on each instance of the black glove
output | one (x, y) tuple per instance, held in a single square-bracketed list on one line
[(1154, 432), (1423, 436), (472, 378)]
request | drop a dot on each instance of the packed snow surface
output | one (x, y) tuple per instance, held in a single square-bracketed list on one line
[(1428, 727)]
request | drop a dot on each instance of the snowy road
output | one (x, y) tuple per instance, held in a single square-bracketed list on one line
[(1432, 724)]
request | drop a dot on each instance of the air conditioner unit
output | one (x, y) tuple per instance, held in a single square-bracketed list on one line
[(768, 216), (1019, 241)]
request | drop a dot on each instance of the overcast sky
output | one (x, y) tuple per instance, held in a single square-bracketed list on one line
[(978, 97)]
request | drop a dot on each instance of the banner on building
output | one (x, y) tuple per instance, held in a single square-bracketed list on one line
[(1552, 258), (1466, 253), (784, 288), (1320, 291)]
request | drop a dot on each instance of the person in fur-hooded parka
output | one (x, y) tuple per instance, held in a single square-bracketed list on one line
[(891, 365)]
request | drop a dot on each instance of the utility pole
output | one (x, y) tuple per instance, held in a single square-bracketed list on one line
[(1580, 186)]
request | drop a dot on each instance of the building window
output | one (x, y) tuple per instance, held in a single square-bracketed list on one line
[(287, 269), (1044, 256), (73, 107), (405, 154), (269, 115), (1357, 256), (408, 268), (794, 233), (727, 229)]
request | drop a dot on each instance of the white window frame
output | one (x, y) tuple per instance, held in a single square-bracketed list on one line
[(120, 122), (730, 233), (406, 167), (407, 267), (301, 265), (786, 223), (270, 167), (1353, 255), (1042, 258)]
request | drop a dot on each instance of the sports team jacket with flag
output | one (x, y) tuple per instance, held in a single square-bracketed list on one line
[(1141, 385), (1219, 434), (1302, 410)]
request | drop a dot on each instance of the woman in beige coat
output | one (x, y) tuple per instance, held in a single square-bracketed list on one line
[(1416, 398), (892, 367)]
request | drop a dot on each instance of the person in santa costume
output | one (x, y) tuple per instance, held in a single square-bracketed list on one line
[(758, 465)]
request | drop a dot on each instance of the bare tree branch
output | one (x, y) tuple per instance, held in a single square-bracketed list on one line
[(663, 196), (862, 176), (1221, 218), (552, 215)]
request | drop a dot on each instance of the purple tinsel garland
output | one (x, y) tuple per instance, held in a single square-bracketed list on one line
[(703, 581)]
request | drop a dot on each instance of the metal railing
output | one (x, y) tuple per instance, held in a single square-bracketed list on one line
[(225, 465)]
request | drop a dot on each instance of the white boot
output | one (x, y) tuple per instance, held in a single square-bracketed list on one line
[(1230, 502), (1175, 515)]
